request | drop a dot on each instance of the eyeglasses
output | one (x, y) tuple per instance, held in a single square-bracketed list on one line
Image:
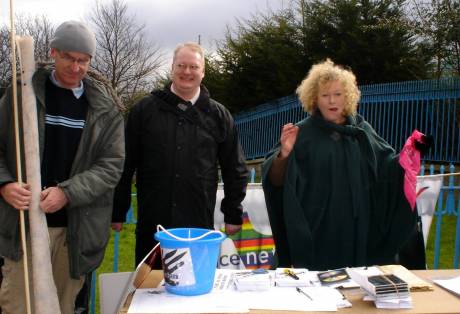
[(183, 67), (69, 59)]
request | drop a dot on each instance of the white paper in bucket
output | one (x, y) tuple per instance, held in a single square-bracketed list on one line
[(174, 259)]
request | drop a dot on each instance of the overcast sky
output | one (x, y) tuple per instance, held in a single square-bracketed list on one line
[(168, 22)]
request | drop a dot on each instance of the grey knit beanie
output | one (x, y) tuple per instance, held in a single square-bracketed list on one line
[(74, 36)]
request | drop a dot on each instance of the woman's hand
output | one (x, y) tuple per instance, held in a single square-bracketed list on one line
[(288, 139)]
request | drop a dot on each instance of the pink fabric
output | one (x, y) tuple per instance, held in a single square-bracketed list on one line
[(409, 159)]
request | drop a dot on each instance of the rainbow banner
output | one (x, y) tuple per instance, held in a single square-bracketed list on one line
[(252, 247)]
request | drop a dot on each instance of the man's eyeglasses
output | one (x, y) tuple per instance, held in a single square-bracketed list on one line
[(183, 67), (69, 59)]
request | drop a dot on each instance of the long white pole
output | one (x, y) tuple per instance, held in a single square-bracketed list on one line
[(45, 294), (440, 175)]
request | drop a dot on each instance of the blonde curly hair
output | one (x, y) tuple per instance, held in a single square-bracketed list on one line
[(324, 73)]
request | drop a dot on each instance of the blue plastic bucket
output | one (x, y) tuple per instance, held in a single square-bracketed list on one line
[(189, 257)]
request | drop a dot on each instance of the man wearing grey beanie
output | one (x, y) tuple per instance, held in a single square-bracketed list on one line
[(82, 154)]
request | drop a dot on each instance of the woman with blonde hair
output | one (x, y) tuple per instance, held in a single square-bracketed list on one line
[(334, 189)]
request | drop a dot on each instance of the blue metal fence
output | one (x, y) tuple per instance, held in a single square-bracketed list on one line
[(448, 205), (393, 109)]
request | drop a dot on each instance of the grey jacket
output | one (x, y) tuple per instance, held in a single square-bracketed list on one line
[(95, 172)]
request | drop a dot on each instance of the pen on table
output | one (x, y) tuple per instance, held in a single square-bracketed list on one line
[(291, 274), (304, 293)]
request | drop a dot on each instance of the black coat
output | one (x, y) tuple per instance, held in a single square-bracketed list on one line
[(175, 151), (342, 202)]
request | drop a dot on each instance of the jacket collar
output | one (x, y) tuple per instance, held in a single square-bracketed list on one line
[(98, 98), (203, 102)]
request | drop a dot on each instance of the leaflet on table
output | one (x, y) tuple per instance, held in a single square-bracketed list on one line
[(451, 284), (252, 280), (158, 300), (290, 299)]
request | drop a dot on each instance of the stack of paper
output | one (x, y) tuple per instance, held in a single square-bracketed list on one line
[(293, 277), (386, 290), (252, 280), (390, 291)]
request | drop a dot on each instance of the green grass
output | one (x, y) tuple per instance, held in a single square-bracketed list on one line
[(446, 256), (125, 257)]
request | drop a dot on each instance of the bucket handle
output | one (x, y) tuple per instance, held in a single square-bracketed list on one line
[(161, 228)]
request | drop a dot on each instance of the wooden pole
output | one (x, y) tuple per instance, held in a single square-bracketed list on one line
[(18, 158)]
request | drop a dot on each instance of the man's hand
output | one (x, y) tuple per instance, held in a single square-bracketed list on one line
[(16, 195), (52, 199), (117, 226), (232, 229)]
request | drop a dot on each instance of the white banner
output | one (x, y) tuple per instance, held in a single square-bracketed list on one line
[(427, 190), (253, 204)]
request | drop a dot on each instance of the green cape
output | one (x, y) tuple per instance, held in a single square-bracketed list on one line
[(342, 202)]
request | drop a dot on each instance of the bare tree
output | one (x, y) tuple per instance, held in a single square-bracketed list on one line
[(438, 23), (124, 55), (41, 29), (5, 56)]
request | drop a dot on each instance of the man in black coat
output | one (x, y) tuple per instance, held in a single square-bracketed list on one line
[(175, 139)]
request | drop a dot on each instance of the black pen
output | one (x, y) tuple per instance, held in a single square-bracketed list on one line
[(304, 293)]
